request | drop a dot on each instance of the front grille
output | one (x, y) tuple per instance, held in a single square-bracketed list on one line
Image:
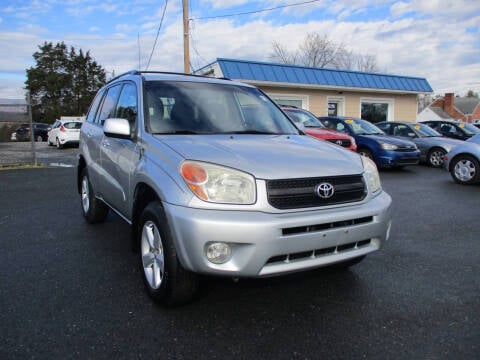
[(317, 253), (326, 226), (301, 193), (405, 148), (408, 161), (342, 142)]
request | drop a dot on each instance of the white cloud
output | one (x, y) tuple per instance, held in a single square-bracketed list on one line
[(429, 46)]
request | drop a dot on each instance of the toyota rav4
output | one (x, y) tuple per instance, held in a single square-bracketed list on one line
[(215, 179)]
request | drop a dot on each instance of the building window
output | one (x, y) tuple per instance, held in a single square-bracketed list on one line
[(376, 110), (299, 101), (335, 106)]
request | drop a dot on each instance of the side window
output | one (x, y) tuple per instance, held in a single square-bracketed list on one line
[(401, 130), (127, 104), (107, 109), (94, 107), (387, 128)]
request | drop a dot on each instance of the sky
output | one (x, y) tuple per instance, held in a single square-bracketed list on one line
[(435, 39)]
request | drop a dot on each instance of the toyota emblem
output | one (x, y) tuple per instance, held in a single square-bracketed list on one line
[(324, 190)]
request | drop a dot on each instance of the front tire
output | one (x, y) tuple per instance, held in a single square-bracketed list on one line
[(465, 170), (435, 157), (165, 279), (93, 209)]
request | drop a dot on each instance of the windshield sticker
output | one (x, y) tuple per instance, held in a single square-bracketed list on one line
[(461, 125), (417, 127), (349, 121)]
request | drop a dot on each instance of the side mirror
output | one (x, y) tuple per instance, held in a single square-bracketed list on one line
[(117, 128)]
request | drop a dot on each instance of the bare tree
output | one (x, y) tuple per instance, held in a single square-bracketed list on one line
[(319, 51), (367, 62), (281, 54)]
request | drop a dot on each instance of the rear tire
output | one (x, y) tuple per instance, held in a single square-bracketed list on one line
[(165, 279), (465, 170), (93, 209), (435, 157)]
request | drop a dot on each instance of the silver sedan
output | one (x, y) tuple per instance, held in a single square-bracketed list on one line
[(463, 162), (432, 145)]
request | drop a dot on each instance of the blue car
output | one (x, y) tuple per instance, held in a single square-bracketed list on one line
[(386, 151)]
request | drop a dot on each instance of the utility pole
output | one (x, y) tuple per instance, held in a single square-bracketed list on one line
[(186, 45)]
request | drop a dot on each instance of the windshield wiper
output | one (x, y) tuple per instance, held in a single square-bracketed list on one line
[(177, 132), (252, 132)]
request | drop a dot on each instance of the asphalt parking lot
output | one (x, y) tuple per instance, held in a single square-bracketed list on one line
[(19, 153), (73, 290)]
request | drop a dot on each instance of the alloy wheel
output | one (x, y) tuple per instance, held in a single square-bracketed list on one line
[(153, 258), (465, 170), (85, 194)]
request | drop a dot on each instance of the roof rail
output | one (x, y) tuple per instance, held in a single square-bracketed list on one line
[(140, 72), (131, 72)]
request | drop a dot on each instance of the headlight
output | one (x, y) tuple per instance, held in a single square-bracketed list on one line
[(218, 184), (387, 146), (371, 174)]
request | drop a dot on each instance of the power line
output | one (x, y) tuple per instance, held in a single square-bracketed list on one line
[(255, 11), (156, 37)]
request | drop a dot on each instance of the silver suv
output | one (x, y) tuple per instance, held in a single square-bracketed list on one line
[(215, 179)]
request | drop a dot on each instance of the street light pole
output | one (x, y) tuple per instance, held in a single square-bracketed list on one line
[(186, 45)]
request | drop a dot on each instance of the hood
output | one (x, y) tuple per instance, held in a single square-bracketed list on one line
[(326, 133), (444, 141), (389, 140), (268, 156)]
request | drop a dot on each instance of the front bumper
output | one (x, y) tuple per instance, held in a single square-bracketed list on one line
[(398, 158), (265, 244)]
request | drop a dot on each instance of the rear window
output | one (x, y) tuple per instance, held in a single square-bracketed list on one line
[(73, 125)]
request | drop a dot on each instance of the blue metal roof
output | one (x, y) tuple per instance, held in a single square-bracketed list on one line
[(282, 73)]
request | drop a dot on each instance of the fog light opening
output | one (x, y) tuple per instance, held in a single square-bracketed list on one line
[(218, 252)]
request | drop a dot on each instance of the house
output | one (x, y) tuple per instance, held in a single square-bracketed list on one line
[(374, 97), (450, 107)]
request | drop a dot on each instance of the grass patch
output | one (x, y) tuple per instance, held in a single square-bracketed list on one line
[(22, 166)]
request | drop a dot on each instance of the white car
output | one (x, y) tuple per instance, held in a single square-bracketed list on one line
[(65, 132)]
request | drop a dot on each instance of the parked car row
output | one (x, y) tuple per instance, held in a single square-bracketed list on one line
[(61, 133), (401, 143)]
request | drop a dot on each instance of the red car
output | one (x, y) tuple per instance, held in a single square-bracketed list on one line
[(315, 128)]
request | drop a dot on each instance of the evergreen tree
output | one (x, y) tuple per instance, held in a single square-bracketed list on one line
[(62, 82)]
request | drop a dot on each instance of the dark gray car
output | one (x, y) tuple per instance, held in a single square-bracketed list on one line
[(432, 145)]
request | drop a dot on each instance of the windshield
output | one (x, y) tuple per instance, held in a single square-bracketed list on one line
[(469, 128), (180, 107), (304, 117), (423, 130), (363, 127)]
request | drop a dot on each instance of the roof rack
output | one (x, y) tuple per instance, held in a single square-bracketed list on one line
[(140, 72)]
